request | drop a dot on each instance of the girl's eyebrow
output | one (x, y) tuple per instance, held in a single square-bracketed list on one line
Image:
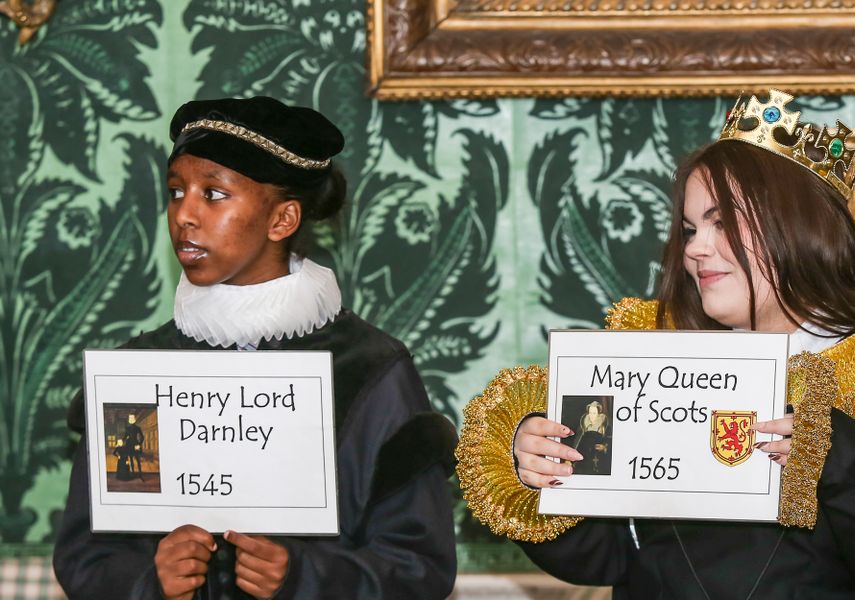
[(710, 212), (215, 175)]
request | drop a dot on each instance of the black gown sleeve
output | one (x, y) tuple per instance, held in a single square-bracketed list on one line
[(401, 553), (836, 489), (594, 552), (399, 544), (100, 565)]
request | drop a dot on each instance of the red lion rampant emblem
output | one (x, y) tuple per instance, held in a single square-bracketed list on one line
[(732, 438)]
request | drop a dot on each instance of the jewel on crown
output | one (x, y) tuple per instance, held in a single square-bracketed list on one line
[(771, 126)]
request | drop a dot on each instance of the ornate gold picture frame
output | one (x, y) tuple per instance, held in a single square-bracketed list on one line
[(487, 48)]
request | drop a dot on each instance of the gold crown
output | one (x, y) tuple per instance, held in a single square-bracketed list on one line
[(771, 126)]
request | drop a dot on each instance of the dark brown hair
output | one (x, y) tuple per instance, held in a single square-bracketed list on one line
[(800, 228), (320, 200)]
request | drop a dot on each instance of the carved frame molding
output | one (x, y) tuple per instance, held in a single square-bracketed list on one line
[(27, 16), (441, 49)]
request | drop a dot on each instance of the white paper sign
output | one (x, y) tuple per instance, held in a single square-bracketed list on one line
[(223, 440), (663, 419)]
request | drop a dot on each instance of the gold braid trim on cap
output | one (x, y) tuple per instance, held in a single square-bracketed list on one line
[(486, 468), (812, 393), (259, 140)]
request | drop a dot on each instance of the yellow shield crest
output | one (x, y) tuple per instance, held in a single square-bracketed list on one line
[(731, 436)]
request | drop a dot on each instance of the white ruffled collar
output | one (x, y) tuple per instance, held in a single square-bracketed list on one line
[(223, 315)]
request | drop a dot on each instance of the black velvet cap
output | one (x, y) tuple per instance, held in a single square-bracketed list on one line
[(258, 137)]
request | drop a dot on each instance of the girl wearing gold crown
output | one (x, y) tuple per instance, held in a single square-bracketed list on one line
[(761, 239)]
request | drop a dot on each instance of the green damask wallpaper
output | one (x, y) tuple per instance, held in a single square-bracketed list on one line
[(473, 226)]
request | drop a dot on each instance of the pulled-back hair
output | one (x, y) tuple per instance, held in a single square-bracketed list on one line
[(801, 231), (319, 200)]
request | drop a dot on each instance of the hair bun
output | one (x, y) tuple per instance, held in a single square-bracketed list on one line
[(329, 197)]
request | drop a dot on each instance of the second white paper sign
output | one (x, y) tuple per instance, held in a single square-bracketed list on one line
[(663, 420)]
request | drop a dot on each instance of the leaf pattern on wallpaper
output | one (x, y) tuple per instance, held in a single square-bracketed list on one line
[(49, 311), (71, 266), (434, 310), (407, 257), (84, 66), (605, 219)]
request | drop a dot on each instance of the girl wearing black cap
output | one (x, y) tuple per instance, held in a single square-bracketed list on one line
[(244, 176)]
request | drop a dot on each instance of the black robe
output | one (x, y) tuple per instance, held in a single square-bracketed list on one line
[(692, 560), (394, 456)]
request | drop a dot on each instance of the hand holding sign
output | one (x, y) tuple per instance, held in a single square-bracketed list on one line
[(260, 565), (778, 451), (181, 561), (531, 447)]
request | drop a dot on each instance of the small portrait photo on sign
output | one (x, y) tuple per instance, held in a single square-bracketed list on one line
[(590, 418), (131, 447)]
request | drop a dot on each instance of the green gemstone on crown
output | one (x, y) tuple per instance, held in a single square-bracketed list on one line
[(835, 148)]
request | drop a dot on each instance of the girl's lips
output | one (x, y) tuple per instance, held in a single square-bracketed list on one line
[(706, 278), (188, 252)]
